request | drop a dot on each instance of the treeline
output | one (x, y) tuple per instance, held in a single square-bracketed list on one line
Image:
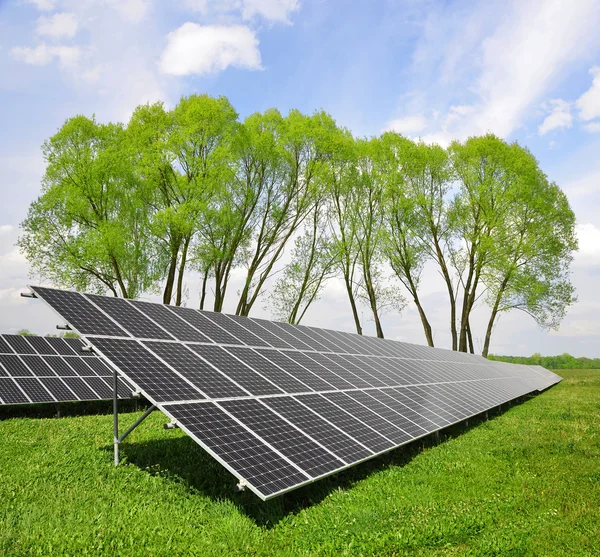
[(564, 361), (136, 208)]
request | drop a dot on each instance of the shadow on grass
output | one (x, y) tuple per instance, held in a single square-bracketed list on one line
[(69, 409), (182, 460)]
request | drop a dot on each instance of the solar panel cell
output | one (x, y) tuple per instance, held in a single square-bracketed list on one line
[(266, 471), (339, 443), (79, 312), (38, 366), (80, 388), (254, 326), (268, 369), (34, 389), (15, 366), (346, 422), (210, 329), (19, 344), (171, 322), (130, 319), (58, 389), (63, 347), (4, 347), (146, 370), (40, 345), (235, 328), (231, 367), (296, 370), (209, 380), (289, 441), (10, 393), (367, 413)]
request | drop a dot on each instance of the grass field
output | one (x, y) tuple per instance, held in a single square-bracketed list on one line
[(526, 482)]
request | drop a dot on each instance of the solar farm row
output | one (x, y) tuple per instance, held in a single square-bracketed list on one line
[(280, 405), (50, 369)]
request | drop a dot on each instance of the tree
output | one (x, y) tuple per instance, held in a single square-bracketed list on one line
[(305, 276), (234, 210), (181, 157), (338, 177), (88, 228), (530, 270), (407, 253), (418, 220), (368, 212), (288, 195), (516, 232)]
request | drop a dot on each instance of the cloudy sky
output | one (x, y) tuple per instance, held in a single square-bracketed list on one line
[(528, 71)]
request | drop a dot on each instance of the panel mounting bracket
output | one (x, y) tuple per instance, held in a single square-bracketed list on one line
[(241, 486), (28, 295), (171, 425), (65, 327)]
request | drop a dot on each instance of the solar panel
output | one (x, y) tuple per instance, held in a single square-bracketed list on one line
[(279, 405), (39, 369)]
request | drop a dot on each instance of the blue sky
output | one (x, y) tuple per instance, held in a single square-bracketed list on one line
[(528, 71)]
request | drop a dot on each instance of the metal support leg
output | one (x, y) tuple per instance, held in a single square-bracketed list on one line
[(116, 415), (136, 423)]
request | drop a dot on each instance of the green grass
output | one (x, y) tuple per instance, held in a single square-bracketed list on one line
[(526, 482)]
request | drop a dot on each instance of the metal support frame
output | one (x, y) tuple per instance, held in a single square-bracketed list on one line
[(64, 327), (119, 438)]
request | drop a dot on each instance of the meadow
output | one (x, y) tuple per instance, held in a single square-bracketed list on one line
[(524, 482)]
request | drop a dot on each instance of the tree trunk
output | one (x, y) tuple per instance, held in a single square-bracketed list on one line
[(122, 286), (168, 291), (353, 304), (372, 301), (203, 294), (470, 338), (424, 320), (448, 280), (186, 245), (492, 320)]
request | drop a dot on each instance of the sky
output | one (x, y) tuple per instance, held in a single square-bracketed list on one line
[(436, 70)]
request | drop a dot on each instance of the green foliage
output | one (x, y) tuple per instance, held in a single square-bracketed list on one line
[(563, 361), (25, 333), (523, 483), (133, 209)]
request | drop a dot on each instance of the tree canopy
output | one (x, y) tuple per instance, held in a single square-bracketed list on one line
[(288, 203)]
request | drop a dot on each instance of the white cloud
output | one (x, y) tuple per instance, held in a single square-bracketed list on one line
[(588, 236), (198, 49), (560, 117), (43, 54), (502, 66), (592, 127), (408, 125), (57, 26), (42, 5), (6, 229), (273, 10), (131, 10), (589, 103)]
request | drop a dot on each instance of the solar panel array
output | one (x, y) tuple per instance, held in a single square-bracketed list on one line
[(281, 406), (52, 369)]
